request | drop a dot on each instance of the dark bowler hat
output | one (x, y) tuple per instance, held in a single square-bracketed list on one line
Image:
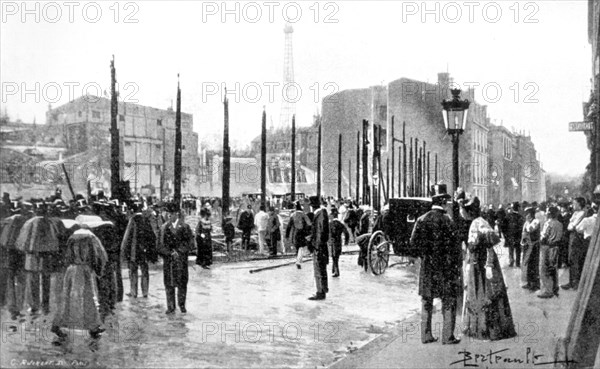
[(439, 191), (334, 212), (315, 202), (515, 205)]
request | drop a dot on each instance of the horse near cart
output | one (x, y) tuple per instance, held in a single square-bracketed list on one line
[(391, 234)]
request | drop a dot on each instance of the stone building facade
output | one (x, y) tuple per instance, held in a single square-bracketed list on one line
[(486, 169), (591, 108), (147, 140)]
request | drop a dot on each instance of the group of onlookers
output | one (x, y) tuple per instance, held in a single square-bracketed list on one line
[(50, 248), (535, 237), (546, 236)]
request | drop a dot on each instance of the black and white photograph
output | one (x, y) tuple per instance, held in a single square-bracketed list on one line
[(300, 184)]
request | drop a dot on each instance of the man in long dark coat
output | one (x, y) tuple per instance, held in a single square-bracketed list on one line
[(138, 248), (318, 246), (175, 242), (245, 224), (512, 236), (107, 281), (441, 259), (336, 230), (12, 262), (43, 240)]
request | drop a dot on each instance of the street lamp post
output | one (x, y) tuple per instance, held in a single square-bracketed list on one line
[(455, 119)]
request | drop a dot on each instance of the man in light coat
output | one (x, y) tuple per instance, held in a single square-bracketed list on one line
[(261, 221)]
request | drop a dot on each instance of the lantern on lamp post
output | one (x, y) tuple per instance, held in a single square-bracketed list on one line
[(455, 113)]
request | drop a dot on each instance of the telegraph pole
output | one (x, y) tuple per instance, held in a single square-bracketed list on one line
[(401, 176), (436, 169), (177, 168), (350, 178), (226, 158), (420, 173), (416, 167), (425, 169), (374, 168), (339, 182), (357, 167), (411, 188), (293, 184), (115, 177), (392, 142), (263, 160), (365, 163), (428, 185), (404, 193)]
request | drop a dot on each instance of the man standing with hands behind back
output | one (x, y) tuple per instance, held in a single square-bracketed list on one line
[(318, 246), (434, 235)]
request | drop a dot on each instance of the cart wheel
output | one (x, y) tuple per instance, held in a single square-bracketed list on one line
[(378, 253)]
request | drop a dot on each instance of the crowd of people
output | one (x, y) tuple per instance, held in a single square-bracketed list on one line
[(523, 226), (71, 249), (459, 250)]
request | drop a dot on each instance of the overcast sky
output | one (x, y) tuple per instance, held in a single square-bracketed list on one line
[(535, 54)]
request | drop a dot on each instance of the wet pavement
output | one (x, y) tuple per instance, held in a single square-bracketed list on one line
[(234, 319)]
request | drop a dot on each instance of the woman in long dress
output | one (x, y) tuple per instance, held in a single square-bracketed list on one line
[(86, 258), (488, 314)]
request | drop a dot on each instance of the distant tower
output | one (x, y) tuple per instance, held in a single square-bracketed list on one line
[(290, 94)]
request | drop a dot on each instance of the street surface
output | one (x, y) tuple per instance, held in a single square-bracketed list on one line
[(234, 319)]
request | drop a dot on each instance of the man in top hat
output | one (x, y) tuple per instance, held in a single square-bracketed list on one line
[(336, 230), (175, 242), (318, 246), (245, 224), (434, 235), (512, 235), (137, 249), (228, 231)]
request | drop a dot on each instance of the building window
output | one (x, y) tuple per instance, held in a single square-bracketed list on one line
[(157, 170), (121, 117), (79, 114), (127, 143), (159, 122), (95, 114), (158, 147)]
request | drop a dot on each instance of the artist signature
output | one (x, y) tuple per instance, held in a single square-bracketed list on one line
[(48, 363), (471, 359)]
